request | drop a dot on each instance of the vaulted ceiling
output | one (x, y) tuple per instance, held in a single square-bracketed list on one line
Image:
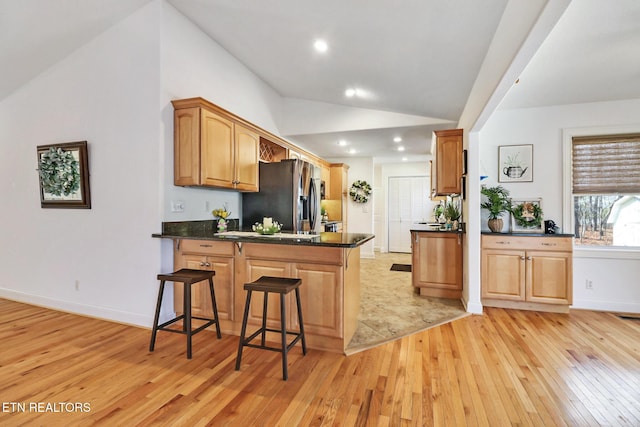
[(419, 65)]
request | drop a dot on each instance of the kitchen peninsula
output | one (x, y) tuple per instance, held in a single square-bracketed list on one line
[(327, 263)]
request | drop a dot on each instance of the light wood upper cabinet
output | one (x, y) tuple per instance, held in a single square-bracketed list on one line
[(337, 194), (247, 145), (447, 176), (217, 155), (437, 263), (527, 272), (212, 150)]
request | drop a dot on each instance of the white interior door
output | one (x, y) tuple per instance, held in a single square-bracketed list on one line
[(408, 203)]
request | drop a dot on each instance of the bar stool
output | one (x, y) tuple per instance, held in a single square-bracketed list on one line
[(188, 277), (282, 286)]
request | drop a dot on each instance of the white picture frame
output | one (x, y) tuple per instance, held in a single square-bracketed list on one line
[(515, 163), (531, 206)]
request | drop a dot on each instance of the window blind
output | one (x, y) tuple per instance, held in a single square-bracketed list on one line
[(608, 164)]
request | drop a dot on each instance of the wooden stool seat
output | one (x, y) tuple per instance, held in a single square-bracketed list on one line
[(267, 285), (187, 277)]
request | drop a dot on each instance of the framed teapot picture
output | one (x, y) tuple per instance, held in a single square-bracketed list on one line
[(515, 163)]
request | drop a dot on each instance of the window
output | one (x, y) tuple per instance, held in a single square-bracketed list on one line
[(606, 190)]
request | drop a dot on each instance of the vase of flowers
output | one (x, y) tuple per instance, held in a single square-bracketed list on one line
[(221, 215)]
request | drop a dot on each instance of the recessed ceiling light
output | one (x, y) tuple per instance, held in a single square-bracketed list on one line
[(342, 143), (320, 45), (359, 93), (404, 159), (401, 148), (397, 139), (352, 151)]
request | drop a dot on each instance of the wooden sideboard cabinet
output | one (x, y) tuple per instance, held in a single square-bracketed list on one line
[(213, 150), (436, 259), (533, 273), (447, 177)]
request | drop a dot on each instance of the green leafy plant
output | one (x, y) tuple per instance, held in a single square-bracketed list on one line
[(59, 172), (451, 211), (496, 201), (527, 215)]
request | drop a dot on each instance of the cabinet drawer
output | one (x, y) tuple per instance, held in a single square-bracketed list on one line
[(206, 247), (539, 243)]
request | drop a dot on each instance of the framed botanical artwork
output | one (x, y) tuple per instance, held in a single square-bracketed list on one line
[(63, 170), (515, 163), (527, 216)]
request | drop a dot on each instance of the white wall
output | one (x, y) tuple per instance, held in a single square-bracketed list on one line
[(359, 215), (106, 93), (193, 65), (614, 280), (114, 92)]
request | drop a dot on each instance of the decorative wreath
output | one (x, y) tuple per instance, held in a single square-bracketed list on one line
[(59, 172), (360, 191), (527, 215)]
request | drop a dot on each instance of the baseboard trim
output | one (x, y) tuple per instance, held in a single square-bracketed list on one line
[(622, 307), (97, 312), (472, 307)]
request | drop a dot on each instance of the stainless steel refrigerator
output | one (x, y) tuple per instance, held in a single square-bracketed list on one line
[(289, 193)]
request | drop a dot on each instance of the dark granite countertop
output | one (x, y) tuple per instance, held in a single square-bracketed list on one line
[(435, 229), (204, 230), (490, 233)]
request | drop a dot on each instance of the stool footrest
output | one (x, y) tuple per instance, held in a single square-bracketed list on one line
[(163, 327), (247, 341)]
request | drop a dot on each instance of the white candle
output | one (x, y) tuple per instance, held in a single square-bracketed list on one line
[(267, 222)]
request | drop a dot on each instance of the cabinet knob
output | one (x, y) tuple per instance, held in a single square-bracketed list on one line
[(528, 258), (522, 257)]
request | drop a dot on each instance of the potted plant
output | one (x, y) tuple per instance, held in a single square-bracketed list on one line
[(497, 203), (452, 214)]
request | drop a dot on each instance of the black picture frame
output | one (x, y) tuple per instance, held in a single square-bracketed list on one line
[(464, 162), (78, 199)]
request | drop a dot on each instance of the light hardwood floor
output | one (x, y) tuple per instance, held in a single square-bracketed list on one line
[(506, 367)]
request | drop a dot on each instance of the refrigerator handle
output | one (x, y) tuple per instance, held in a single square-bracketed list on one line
[(313, 207)]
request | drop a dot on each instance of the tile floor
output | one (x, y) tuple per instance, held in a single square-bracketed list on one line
[(389, 306)]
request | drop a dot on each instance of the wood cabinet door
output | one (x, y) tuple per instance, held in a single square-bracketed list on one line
[(549, 277), (255, 268), (186, 140), (437, 259), (321, 299), (449, 162), (223, 284), (503, 274), (217, 153), (200, 297), (326, 177), (247, 152)]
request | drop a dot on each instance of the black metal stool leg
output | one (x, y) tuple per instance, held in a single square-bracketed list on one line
[(187, 317), (243, 330), (283, 325), (156, 317), (265, 303), (215, 308), (304, 343)]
